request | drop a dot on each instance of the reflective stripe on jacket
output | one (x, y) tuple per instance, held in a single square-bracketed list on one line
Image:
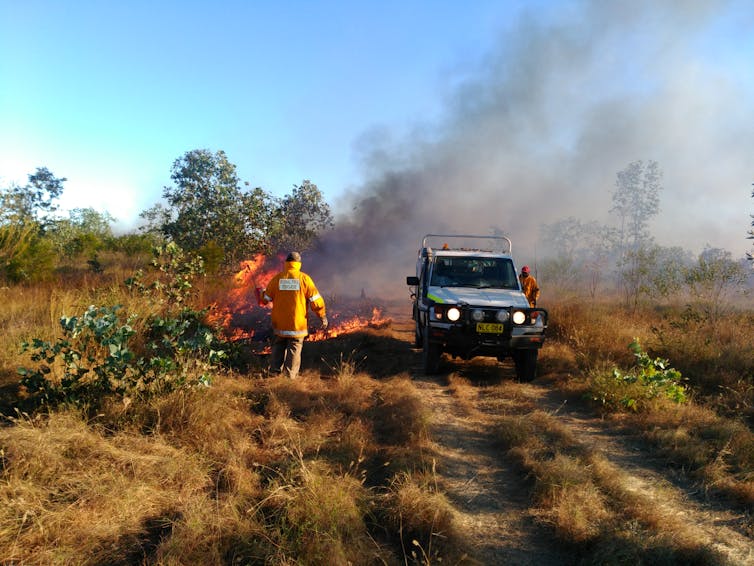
[(290, 291)]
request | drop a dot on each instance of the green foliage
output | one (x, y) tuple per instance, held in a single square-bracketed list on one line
[(212, 255), (206, 204), (33, 202), (713, 278), (649, 379), (34, 262), (652, 271), (134, 244), (300, 217), (84, 232), (102, 354), (15, 240), (176, 272), (207, 212)]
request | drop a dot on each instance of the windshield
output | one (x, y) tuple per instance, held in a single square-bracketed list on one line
[(483, 272)]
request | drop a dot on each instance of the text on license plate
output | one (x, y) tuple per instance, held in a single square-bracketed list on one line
[(489, 327)]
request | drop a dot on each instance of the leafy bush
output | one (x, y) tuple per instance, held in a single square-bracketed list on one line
[(94, 358), (34, 261), (650, 378), (102, 354)]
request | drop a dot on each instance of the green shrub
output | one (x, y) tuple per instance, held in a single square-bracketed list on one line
[(101, 353), (650, 378), (94, 358)]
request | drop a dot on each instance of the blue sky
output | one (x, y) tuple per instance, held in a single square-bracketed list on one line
[(508, 113), (109, 94)]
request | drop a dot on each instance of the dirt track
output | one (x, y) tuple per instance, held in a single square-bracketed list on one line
[(492, 497)]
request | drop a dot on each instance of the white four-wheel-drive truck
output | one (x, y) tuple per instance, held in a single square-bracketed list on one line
[(468, 302)]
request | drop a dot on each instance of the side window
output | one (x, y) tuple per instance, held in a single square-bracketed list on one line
[(510, 281)]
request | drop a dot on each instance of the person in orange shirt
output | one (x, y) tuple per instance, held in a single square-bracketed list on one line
[(291, 292), (529, 286)]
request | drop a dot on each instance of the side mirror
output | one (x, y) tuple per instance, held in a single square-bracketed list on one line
[(412, 280)]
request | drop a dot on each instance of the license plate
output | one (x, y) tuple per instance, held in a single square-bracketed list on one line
[(489, 328)]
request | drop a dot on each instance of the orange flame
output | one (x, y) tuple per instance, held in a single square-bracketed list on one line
[(241, 318), (351, 324)]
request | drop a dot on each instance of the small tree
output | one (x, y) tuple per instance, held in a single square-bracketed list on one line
[(84, 232), (635, 268), (25, 216), (33, 202), (207, 209), (713, 279), (582, 252), (15, 241), (635, 200), (300, 218)]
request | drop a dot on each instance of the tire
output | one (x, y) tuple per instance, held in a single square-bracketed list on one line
[(526, 364), (418, 342), (431, 353)]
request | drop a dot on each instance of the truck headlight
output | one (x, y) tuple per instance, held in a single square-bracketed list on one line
[(502, 316), (519, 317), (477, 315), (453, 314)]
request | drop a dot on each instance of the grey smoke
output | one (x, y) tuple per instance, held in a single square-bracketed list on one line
[(538, 130)]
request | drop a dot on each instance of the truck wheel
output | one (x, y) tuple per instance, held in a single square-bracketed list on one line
[(526, 364), (418, 343), (430, 355)]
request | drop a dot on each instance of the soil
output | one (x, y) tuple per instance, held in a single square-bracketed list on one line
[(491, 496)]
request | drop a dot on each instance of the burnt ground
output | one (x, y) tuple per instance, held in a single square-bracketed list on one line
[(492, 497)]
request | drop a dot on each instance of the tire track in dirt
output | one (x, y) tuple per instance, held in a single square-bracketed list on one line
[(491, 497), (712, 523)]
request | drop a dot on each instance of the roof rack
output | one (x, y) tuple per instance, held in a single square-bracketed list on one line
[(503, 243)]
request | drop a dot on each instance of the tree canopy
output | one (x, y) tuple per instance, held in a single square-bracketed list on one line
[(209, 211), (636, 200), (34, 202)]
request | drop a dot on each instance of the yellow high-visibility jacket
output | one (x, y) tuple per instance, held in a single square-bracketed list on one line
[(530, 288), (290, 291)]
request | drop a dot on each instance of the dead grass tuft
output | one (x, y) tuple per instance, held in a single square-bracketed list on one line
[(464, 394), (399, 417), (59, 475), (589, 502), (320, 515), (717, 450), (423, 517)]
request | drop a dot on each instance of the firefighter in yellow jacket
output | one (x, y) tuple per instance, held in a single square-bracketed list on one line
[(529, 286), (291, 291)]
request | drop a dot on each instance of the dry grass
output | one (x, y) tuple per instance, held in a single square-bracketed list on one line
[(330, 469), (591, 504), (711, 435), (423, 518), (248, 470), (70, 492), (718, 451), (714, 355)]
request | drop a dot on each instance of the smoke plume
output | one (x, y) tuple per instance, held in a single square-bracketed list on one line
[(537, 131)]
